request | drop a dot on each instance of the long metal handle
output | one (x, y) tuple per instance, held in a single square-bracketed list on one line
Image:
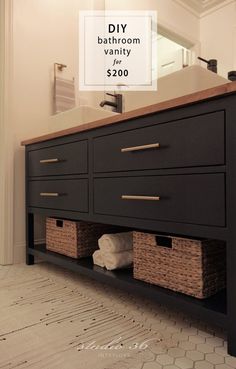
[(135, 197), (142, 147), (49, 194), (48, 161)]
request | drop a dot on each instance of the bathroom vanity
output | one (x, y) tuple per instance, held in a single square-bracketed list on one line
[(168, 168)]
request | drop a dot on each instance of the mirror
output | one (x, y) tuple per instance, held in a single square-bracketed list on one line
[(181, 38)]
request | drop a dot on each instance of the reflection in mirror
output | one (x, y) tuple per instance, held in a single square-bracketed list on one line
[(171, 56), (178, 72)]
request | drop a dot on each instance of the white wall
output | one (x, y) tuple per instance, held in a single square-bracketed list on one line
[(218, 37)]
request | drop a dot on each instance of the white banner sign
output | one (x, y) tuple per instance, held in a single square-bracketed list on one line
[(118, 50)]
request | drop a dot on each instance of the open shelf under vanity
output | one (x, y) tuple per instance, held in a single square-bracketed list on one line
[(212, 309)]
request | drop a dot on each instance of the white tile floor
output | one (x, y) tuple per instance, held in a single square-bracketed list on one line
[(185, 342)]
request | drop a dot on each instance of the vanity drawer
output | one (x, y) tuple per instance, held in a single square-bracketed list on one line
[(195, 141), (196, 198), (71, 158), (70, 194)]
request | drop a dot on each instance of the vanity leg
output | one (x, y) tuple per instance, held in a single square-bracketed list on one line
[(29, 238), (231, 225), (231, 297), (29, 259)]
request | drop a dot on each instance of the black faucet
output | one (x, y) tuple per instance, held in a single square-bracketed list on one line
[(232, 75), (211, 64), (117, 104)]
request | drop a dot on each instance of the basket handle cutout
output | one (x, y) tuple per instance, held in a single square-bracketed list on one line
[(59, 223), (163, 241)]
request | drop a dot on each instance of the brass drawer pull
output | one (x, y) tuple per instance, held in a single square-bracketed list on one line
[(134, 197), (49, 161), (49, 194), (139, 148)]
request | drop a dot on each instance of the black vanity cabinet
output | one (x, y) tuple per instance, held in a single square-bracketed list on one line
[(171, 171)]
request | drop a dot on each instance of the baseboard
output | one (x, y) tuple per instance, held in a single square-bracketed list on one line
[(19, 250)]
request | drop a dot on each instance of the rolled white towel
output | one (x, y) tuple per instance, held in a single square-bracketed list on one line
[(116, 242), (118, 260), (98, 258)]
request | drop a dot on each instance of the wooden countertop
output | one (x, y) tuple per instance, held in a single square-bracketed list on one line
[(221, 90)]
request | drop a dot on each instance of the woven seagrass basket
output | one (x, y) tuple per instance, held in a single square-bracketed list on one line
[(74, 239), (193, 267)]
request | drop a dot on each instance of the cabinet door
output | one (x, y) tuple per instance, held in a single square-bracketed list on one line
[(70, 194), (71, 158), (196, 198), (190, 142)]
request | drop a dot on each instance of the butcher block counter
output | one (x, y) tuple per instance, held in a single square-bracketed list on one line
[(181, 152), (210, 93)]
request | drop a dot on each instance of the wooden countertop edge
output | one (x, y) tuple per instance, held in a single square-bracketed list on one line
[(225, 89)]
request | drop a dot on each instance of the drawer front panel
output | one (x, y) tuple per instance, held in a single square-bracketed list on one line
[(70, 194), (197, 198), (190, 142), (71, 158)]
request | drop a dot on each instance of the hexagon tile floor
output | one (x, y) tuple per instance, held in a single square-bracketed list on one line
[(52, 318)]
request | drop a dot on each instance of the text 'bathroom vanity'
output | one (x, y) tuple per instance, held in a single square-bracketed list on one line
[(168, 168)]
